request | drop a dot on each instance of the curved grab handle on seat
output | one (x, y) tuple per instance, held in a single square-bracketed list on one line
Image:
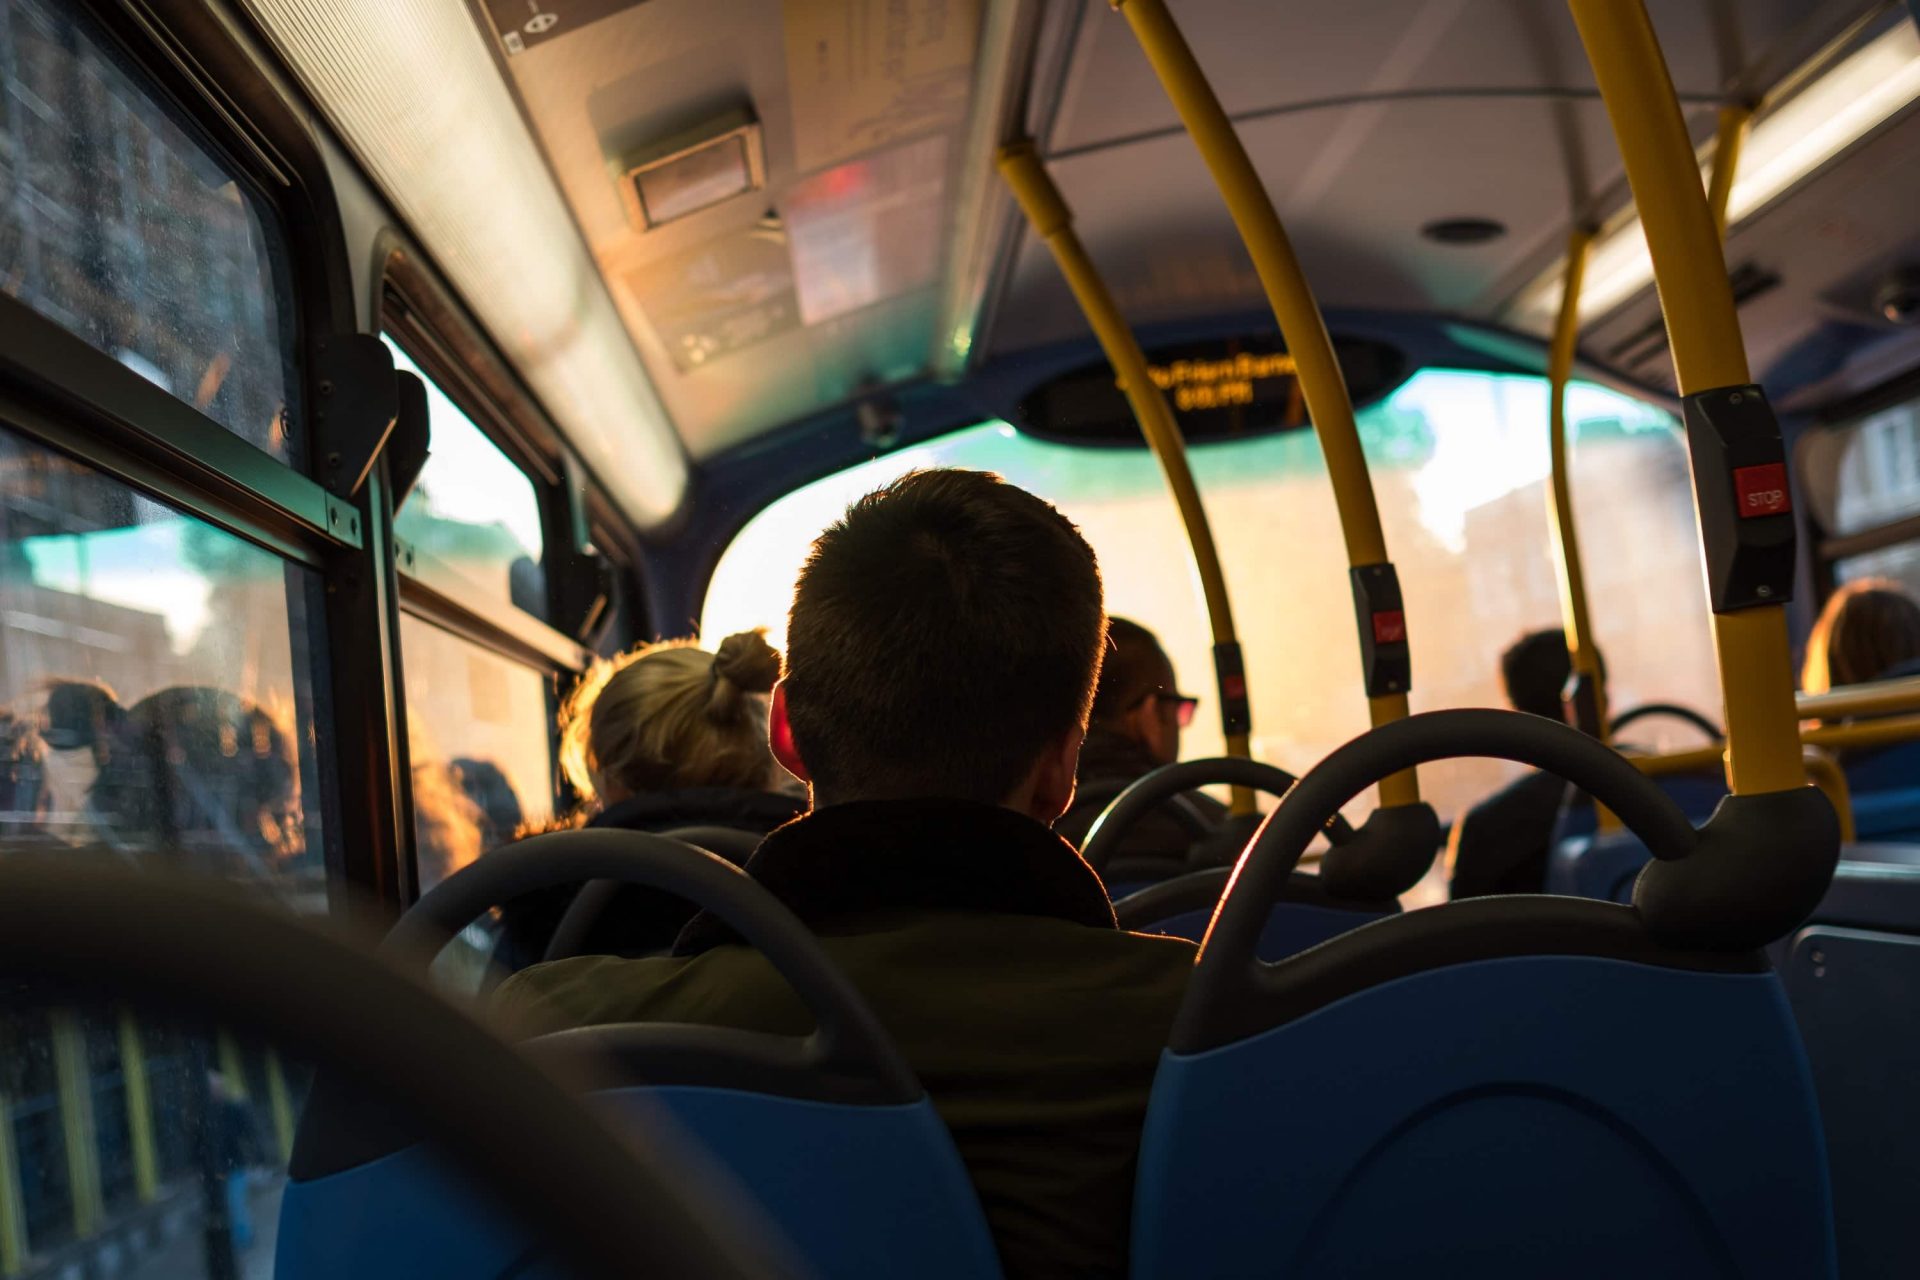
[(1670, 710), (847, 1034), (596, 896), (1149, 791), (1228, 963)]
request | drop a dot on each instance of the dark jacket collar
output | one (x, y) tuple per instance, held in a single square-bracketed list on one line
[(759, 811), (939, 855)]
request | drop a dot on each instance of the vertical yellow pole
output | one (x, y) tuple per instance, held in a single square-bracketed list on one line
[(133, 1070), (1301, 325), (1756, 666), (76, 1122), (13, 1212), (281, 1104), (1052, 221), (1582, 652), (232, 1065)]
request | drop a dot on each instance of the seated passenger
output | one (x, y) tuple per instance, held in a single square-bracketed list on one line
[(945, 639), (26, 799), (1868, 630), (664, 736), (1501, 844), (1138, 713)]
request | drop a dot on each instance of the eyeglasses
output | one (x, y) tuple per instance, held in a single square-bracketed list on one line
[(1184, 705)]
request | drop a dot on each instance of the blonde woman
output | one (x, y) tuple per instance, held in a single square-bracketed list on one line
[(663, 737)]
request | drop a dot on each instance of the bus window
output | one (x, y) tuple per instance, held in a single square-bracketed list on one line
[(1872, 487), (480, 734), (473, 513), (1460, 466), (124, 229), (155, 680)]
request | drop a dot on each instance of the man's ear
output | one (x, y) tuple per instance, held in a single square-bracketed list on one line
[(780, 735), (1053, 777)]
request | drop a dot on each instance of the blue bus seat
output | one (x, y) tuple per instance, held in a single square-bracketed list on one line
[(1306, 916), (1854, 992), (1500, 1087), (853, 1189), (1602, 866), (1885, 789), (829, 1138)]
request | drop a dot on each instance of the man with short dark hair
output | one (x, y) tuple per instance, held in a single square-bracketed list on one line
[(941, 658), (1138, 713)]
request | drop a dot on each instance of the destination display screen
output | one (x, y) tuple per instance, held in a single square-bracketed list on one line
[(1218, 390)]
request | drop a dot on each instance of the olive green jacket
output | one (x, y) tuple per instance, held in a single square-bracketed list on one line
[(988, 950)]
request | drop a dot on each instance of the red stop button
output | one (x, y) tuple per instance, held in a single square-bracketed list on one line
[(1761, 490), (1390, 627)]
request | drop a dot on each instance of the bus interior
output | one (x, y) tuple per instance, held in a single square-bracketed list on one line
[(370, 370)]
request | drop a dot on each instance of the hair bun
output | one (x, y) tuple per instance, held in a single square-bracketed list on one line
[(747, 662)]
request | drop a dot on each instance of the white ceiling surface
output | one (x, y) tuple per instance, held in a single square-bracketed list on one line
[(666, 66), (1355, 183)]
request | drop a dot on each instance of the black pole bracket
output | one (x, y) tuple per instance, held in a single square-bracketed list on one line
[(1386, 661), (356, 404), (1741, 488), (412, 437)]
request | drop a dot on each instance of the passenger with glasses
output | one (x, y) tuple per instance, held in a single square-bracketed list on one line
[(1138, 713)]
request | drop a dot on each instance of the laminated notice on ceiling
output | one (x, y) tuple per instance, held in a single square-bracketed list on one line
[(525, 23), (719, 297), (867, 230), (863, 73)]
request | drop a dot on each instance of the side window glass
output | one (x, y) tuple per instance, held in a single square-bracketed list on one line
[(156, 688), (119, 226), (1872, 468), (473, 514), (480, 734)]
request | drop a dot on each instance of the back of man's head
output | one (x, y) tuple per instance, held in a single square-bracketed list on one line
[(945, 634), (1135, 666), (1535, 670)]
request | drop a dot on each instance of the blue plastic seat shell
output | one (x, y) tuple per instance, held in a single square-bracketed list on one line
[(1515, 1117)]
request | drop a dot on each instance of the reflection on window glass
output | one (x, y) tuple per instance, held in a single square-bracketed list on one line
[(1459, 466), (140, 1148), (480, 735), (1879, 471), (473, 511), (155, 694), (120, 227)]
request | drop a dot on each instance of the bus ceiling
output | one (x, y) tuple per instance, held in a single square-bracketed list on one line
[(689, 222)]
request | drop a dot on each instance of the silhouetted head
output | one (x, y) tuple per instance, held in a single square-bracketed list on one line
[(1535, 669), (1138, 697), (1866, 629), (944, 641)]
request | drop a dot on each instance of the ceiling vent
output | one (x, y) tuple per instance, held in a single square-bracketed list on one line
[(692, 171)]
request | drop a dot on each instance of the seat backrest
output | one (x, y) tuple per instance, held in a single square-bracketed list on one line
[(1601, 866), (829, 1136), (1503, 1087), (1305, 916)]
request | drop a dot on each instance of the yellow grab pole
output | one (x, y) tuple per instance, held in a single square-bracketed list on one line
[(13, 1212), (76, 1122), (1582, 653), (1728, 138), (1052, 221), (233, 1068), (281, 1104), (1756, 668), (1301, 325), (133, 1072)]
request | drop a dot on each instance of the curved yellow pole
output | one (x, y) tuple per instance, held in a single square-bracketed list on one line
[(1301, 324), (1052, 221), (1756, 668), (1729, 137), (1582, 653)]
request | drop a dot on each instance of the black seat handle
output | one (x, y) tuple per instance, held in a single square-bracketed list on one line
[(847, 1037), (189, 947), (1149, 791), (1229, 971), (1670, 711), (596, 897)]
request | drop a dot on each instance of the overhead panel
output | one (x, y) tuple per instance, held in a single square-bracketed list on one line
[(756, 308)]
